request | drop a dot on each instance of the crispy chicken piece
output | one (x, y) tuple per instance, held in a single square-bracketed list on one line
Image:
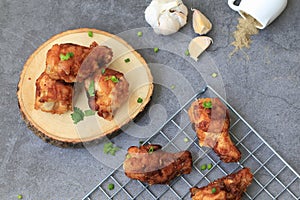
[(230, 187), (75, 68), (211, 121), (53, 96), (107, 89), (151, 165), (99, 57)]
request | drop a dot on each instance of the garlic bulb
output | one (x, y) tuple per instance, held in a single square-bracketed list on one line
[(198, 45), (166, 16)]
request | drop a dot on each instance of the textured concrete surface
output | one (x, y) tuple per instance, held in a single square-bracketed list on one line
[(265, 89)]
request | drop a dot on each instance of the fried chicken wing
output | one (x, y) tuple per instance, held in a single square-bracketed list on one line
[(211, 121), (107, 89), (99, 57), (53, 96), (69, 69), (230, 187), (151, 165)]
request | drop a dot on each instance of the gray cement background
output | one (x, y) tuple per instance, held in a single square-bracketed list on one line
[(265, 89)]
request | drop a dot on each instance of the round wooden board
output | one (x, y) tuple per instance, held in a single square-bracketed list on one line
[(60, 129)]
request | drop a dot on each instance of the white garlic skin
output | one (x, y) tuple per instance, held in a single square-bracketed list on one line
[(166, 16)]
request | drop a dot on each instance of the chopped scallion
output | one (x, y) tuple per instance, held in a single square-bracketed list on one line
[(203, 167), (66, 57), (127, 60), (187, 52), (186, 140), (140, 33), (213, 190), (90, 34), (214, 75), (156, 49), (207, 104), (111, 186), (209, 166), (114, 79), (139, 100), (151, 149)]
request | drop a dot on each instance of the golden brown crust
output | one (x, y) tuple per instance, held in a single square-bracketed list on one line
[(53, 96), (70, 70), (99, 57), (109, 95), (151, 165), (230, 187), (212, 128)]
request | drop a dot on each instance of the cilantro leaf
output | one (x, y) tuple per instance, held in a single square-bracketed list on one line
[(91, 89), (77, 115), (109, 148), (89, 113)]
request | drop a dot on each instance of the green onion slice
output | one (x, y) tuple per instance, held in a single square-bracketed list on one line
[(139, 100), (111, 186), (114, 79), (209, 166), (151, 149), (127, 60), (214, 75), (187, 52), (140, 33), (213, 190), (90, 34), (203, 167), (207, 104), (66, 57)]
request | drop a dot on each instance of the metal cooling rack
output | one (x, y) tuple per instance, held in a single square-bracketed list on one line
[(273, 177)]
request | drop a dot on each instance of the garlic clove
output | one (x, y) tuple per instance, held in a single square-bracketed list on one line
[(201, 24), (198, 45)]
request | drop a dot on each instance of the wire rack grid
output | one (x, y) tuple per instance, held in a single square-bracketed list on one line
[(273, 178)]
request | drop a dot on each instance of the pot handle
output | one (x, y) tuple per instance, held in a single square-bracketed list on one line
[(232, 6)]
